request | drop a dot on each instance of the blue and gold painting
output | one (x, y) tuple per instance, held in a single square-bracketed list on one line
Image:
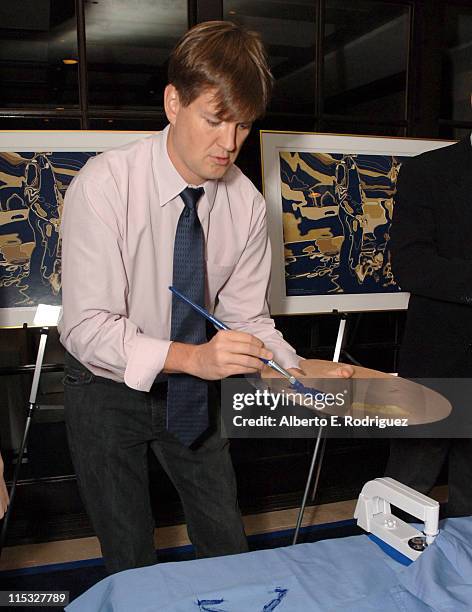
[(32, 189), (337, 212)]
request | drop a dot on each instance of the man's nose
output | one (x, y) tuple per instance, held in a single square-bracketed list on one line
[(227, 138)]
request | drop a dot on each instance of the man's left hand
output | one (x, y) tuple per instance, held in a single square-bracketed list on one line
[(338, 370)]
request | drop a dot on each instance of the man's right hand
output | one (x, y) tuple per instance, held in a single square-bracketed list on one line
[(227, 353)]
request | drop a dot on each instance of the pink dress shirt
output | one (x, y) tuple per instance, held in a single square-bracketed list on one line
[(118, 229)]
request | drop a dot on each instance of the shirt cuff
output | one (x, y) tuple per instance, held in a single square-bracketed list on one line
[(146, 360), (287, 359)]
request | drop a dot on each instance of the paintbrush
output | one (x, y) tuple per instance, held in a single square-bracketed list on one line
[(296, 384)]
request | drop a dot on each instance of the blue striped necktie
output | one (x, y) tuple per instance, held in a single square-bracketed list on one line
[(187, 396)]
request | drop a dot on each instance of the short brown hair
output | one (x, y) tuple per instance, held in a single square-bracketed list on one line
[(224, 56)]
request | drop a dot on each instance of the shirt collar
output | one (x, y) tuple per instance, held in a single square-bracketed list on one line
[(168, 181)]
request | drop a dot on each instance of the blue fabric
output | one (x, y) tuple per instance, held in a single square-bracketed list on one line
[(187, 396), (350, 574), (439, 581)]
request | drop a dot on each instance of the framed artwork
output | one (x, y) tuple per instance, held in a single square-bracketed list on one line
[(36, 167), (329, 205)]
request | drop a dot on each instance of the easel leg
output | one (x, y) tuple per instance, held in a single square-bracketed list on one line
[(318, 471), (32, 408), (307, 486), (337, 354), (16, 475)]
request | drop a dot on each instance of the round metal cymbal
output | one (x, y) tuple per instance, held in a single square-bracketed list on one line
[(368, 393)]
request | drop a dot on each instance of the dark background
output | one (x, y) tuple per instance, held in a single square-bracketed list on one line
[(376, 67)]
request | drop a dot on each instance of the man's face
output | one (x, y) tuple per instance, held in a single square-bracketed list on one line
[(200, 145)]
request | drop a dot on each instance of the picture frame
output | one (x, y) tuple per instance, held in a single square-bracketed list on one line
[(329, 208), (36, 168)]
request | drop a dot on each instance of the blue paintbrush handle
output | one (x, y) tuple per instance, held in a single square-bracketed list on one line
[(220, 325), (216, 322)]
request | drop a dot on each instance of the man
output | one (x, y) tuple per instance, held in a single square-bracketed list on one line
[(132, 223), (431, 258)]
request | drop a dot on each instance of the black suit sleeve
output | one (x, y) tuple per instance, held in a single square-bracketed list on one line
[(417, 264)]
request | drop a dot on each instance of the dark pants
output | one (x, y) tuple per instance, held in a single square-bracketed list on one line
[(110, 428), (418, 462)]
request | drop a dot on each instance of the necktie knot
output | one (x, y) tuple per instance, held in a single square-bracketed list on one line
[(191, 195)]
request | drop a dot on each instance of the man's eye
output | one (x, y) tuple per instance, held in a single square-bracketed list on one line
[(213, 123), (244, 126)]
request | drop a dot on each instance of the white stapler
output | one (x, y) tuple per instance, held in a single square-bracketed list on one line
[(373, 515)]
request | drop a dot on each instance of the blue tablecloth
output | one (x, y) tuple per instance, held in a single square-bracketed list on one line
[(349, 574)]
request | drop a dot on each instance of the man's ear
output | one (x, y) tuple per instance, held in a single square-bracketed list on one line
[(171, 103)]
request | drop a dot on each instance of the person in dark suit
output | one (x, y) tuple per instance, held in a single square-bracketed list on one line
[(432, 259)]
